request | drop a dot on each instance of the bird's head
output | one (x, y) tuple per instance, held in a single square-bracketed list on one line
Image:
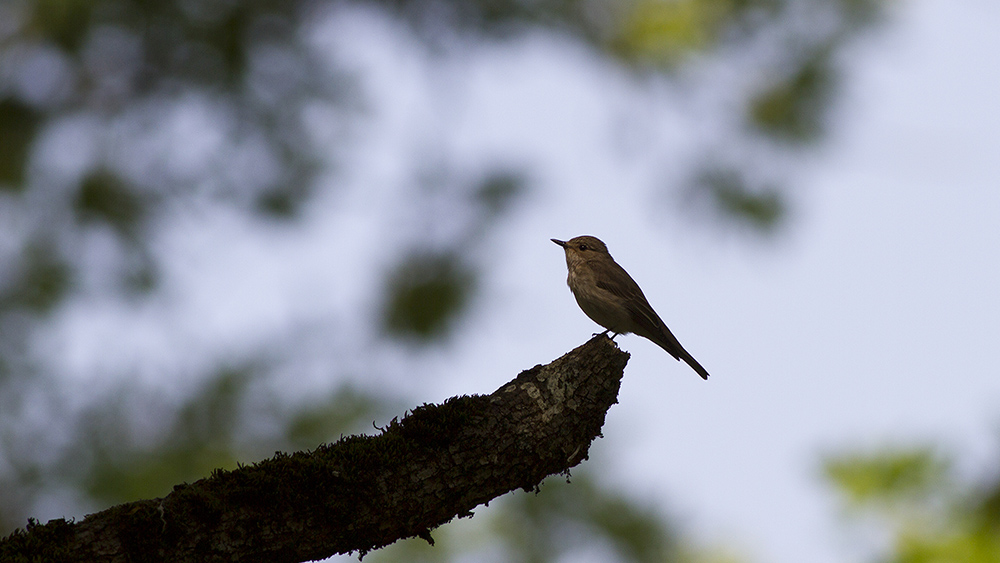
[(582, 248)]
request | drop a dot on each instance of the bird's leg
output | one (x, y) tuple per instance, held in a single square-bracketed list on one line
[(605, 333)]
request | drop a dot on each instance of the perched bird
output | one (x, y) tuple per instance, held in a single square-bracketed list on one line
[(612, 299)]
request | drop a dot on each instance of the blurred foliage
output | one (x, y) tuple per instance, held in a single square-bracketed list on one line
[(19, 124), (889, 476), (567, 516), (662, 32), (792, 108), (762, 208), (563, 520), (346, 411), (200, 436), (916, 494), (103, 197), (498, 191), (40, 281), (223, 423), (425, 294), (428, 290)]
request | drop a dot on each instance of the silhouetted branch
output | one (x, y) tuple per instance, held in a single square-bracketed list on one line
[(363, 492)]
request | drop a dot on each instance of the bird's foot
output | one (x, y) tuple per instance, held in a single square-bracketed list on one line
[(605, 333)]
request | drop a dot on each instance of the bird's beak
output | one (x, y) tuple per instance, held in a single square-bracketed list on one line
[(561, 243)]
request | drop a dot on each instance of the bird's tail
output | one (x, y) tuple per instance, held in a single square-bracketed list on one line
[(669, 342), (689, 359)]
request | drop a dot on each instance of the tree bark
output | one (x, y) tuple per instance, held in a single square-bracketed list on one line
[(363, 492)]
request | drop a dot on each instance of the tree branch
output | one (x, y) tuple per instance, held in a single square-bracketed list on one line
[(363, 492)]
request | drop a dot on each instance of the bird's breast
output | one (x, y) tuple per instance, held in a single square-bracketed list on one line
[(602, 306)]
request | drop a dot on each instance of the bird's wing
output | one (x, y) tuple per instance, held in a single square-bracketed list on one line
[(615, 280)]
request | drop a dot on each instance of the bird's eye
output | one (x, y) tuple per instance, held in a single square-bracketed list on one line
[(583, 247)]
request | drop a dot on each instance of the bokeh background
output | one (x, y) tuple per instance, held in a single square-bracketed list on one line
[(234, 227)]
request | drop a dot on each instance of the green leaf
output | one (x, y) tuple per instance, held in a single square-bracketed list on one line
[(18, 126), (499, 190), (793, 109), (66, 22), (888, 476), (425, 294), (104, 197), (43, 281), (763, 208), (661, 32)]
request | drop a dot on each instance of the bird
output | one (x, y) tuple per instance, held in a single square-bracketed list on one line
[(612, 299)]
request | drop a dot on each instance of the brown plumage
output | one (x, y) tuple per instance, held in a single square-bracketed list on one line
[(612, 299)]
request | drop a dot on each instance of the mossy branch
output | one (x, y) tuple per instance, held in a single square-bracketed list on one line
[(363, 492)]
